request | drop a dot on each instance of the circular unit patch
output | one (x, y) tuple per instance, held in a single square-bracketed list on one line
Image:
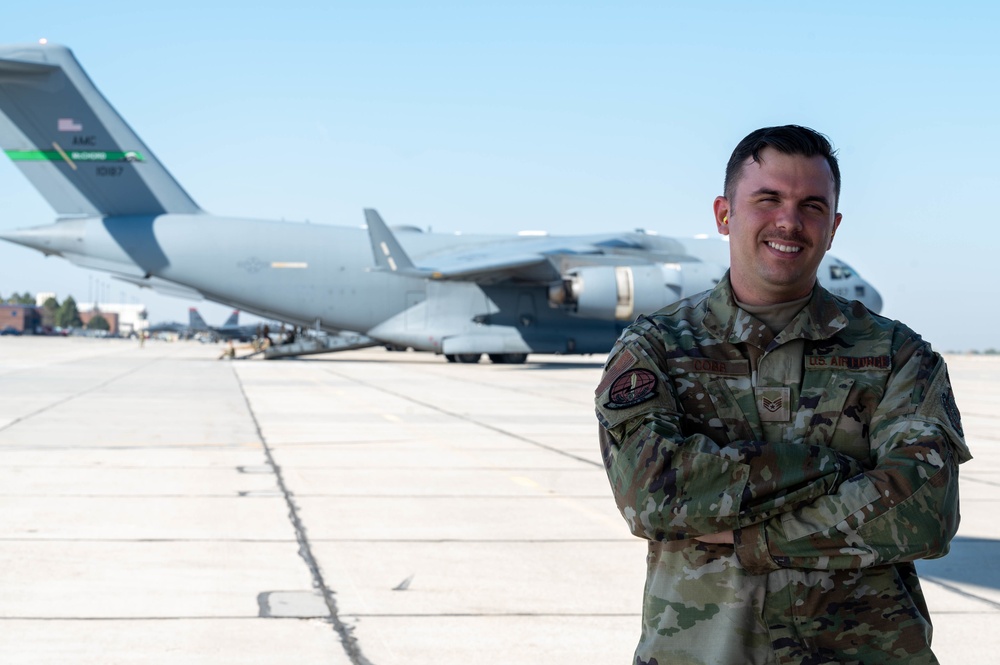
[(633, 387)]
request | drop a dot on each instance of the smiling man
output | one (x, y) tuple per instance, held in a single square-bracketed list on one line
[(787, 454)]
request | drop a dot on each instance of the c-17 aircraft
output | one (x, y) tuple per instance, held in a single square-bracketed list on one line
[(121, 212)]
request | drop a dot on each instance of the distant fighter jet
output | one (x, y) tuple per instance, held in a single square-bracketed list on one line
[(231, 329), (462, 296), (181, 330)]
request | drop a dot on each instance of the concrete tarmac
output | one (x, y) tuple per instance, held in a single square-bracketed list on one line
[(158, 505)]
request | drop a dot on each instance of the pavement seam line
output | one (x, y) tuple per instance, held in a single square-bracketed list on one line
[(344, 632), (959, 590), (466, 419), (79, 394)]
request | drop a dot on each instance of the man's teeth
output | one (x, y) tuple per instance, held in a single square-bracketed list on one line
[(784, 248)]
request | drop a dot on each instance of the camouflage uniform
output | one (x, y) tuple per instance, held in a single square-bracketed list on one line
[(830, 449)]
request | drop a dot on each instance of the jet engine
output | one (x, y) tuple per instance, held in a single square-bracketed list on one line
[(621, 293)]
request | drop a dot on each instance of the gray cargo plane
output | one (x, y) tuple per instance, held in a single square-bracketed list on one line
[(121, 212)]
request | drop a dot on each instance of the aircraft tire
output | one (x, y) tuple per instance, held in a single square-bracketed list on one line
[(468, 358), (508, 358), (450, 357)]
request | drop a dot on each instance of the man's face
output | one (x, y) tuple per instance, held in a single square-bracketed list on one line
[(780, 222)]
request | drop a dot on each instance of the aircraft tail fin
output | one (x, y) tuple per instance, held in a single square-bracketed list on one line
[(233, 321), (389, 254), (73, 145), (195, 321)]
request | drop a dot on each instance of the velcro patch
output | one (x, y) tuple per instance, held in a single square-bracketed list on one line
[(625, 360), (773, 404), (951, 409), (633, 387), (708, 366)]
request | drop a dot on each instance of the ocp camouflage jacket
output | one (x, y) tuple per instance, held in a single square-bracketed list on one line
[(830, 450)]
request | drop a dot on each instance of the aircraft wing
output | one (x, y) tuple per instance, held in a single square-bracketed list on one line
[(468, 264), (495, 265), (540, 259)]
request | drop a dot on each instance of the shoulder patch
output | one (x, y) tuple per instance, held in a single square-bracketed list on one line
[(633, 387)]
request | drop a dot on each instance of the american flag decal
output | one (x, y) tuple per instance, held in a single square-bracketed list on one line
[(69, 125), (625, 360)]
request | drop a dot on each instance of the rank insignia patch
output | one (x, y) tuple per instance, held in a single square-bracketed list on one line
[(633, 387), (773, 405)]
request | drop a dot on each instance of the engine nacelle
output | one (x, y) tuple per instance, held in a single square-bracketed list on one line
[(621, 293), (618, 292)]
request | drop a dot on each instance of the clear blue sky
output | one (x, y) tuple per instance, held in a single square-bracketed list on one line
[(562, 116)]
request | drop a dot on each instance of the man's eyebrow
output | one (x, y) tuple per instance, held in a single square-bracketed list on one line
[(764, 191), (817, 199)]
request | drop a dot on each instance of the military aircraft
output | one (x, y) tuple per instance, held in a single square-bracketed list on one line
[(181, 330), (463, 296), (230, 329)]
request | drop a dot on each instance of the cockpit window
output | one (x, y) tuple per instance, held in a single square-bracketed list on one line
[(838, 271)]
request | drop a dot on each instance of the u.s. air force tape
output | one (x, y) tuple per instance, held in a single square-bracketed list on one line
[(633, 387)]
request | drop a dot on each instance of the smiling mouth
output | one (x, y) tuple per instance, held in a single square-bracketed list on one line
[(784, 249)]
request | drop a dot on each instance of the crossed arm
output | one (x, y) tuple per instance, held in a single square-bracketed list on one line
[(795, 505)]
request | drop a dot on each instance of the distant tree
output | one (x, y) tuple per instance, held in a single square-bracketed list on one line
[(98, 322), (48, 312), (68, 316), (25, 299)]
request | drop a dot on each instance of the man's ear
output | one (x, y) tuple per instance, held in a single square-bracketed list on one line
[(721, 209), (836, 225)]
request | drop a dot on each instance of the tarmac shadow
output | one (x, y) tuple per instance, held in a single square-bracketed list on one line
[(971, 561)]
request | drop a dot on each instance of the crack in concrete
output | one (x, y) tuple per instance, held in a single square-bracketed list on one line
[(344, 631)]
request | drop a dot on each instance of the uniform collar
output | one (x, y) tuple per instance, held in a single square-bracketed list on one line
[(821, 318)]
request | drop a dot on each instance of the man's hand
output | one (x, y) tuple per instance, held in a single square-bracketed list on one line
[(721, 538)]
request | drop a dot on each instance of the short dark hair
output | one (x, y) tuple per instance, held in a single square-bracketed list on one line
[(787, 139)]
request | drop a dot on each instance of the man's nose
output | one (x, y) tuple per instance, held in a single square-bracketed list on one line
[(788, 217)]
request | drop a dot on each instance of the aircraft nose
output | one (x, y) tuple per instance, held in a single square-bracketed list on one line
[(872, 299)]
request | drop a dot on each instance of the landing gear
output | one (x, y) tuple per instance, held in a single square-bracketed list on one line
[(496, 358), (508, 358)]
